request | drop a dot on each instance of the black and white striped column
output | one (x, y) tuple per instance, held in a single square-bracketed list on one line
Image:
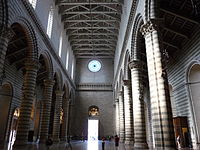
[(159, 91), (121, 117), (47, 99), (117, 120), (5, 36), (138, 105), (28, 93), (128, 109), (56, 121), (65, 120)]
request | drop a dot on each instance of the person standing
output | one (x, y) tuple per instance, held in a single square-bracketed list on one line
[(116, 141), (49, 142), (103, 143), (68, 143)]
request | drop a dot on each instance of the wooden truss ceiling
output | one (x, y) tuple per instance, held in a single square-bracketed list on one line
[(181, 20), (92, 26)]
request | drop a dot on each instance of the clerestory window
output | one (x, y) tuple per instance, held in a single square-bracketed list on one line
[(50, 22)]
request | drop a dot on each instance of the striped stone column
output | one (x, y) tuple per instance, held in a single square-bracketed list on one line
[(5, 36), (65, 120), (138, 105), (159, 91), (56, 121), (117, 121), (121, 117), (28, 92), (47, 99), (128, 109)]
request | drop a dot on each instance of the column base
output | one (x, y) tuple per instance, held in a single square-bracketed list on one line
[(128, 142), (142, 146)]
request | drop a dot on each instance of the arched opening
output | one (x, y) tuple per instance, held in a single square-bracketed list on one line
[(5, 102), (52, 113), (172, 100), (93, 123), (194, 85), (13, 128)]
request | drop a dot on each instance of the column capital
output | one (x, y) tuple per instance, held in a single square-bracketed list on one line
[(7, 33), (135, 64), (49, 82), (120, 93), (126, 82), (59, 93), (149, 27), (32, 64)]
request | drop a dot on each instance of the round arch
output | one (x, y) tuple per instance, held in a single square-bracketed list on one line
[(121, 77), (3, 14), (30, 36), (193, 82), (136, 32), (58, 80), (126, 66), (48, 63)]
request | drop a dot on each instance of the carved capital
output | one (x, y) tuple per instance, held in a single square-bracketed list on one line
[(32, 64), (7, 33), (126, 82), (149, 27), (116, 100), (59, 93), (120, 93), (49, 82), (135, 64)]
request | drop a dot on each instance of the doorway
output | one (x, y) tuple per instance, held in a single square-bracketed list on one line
[(93, 129)]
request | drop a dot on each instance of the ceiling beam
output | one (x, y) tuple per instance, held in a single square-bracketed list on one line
[(16, 52), (104, 34), (171, 12), (82, 27), (86, 2), (95, 44), (91, 49), (89, 20), (88, 12), (92, 39), (171, 45), (95, 37), (89, 57), (89, 52), (176, 32)]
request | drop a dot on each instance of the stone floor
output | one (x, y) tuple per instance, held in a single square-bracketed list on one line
[(77, 145)]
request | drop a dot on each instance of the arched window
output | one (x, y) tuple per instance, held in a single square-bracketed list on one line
[(33, 3), (72, 71), (50, 22), (67, 58), (60, 44)]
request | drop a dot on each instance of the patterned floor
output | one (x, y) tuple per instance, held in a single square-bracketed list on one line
[(78, 145)]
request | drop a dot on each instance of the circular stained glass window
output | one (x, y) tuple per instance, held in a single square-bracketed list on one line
[(94, 65)]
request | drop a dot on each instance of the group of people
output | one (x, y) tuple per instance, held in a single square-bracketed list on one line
[(116, 142), (49, 142)]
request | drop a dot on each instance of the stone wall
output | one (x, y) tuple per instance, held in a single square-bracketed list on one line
[(93, 89)]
